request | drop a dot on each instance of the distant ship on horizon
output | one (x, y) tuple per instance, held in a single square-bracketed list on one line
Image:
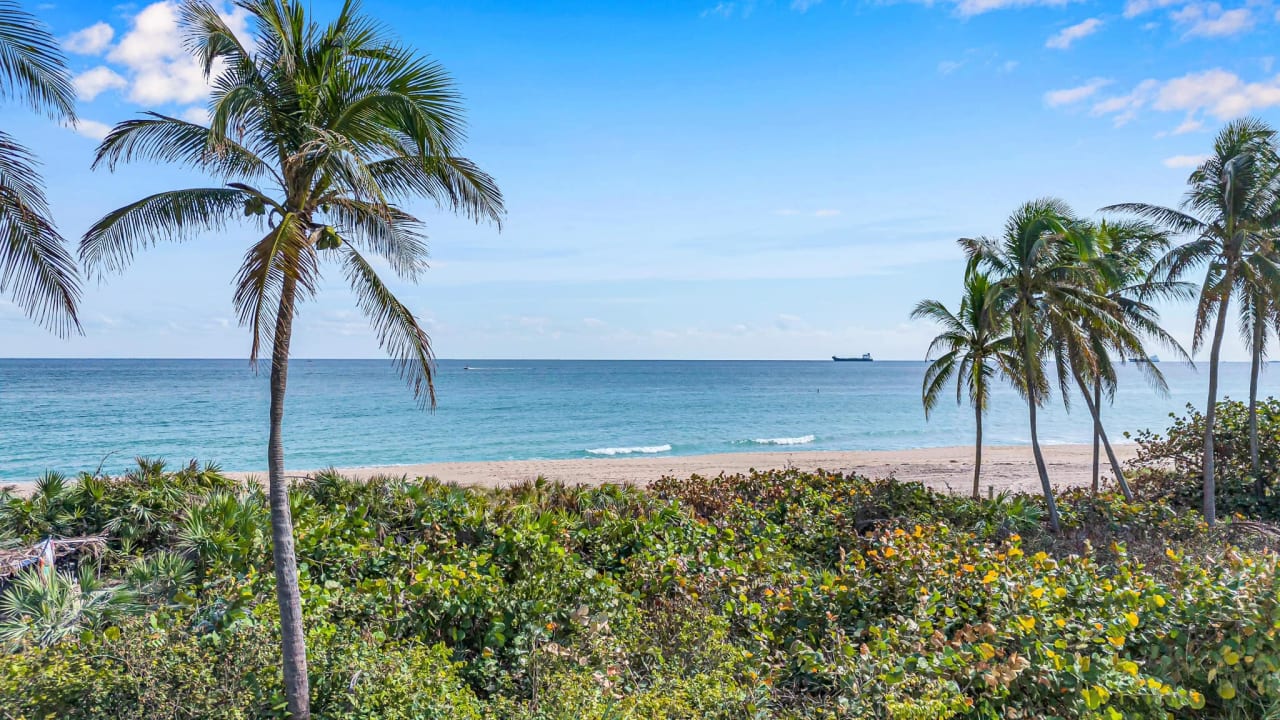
[(866, 357)]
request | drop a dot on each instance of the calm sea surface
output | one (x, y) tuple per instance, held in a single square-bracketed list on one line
[(69, 415)]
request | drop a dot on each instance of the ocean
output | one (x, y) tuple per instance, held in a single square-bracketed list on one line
[(74, 415)]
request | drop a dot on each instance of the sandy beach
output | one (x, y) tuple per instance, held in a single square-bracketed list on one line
[(944, 468)]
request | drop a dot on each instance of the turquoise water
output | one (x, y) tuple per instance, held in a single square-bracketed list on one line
[(70, 415)]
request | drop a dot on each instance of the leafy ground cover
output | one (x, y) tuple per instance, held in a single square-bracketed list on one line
[(769, 595)]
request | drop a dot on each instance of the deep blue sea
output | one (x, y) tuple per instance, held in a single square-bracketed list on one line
[(71, 415)]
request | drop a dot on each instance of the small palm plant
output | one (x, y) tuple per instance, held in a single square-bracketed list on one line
[(1230, 212), (973, 347), (317, 134), (36, 270), (44, 606)]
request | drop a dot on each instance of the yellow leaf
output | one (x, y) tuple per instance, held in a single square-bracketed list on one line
[(1128, 666), (1132, 617), (1231, 657), (1197, 700), (1027, 623), (1226, 690)]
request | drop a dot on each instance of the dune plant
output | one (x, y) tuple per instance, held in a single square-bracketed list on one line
[(317, 134)]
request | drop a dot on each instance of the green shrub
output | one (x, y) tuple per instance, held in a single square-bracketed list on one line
[(786, 594), (1170, 465)]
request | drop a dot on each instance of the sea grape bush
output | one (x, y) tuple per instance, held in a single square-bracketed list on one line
[(767, 595), (1169, 463)]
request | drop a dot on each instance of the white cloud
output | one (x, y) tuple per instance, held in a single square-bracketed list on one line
[(1217, 93), (92, 83), (1064, 38), (160, 69), (1068, 96), (92, 129), (1134, 8), (196, 114), (1185, 161), (91, 40), (969, 8), (1125, 107), (1208, 19)]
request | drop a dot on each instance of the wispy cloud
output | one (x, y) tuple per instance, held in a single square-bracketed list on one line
[(1064, 38), (1134, 8), (804, 5), (969, 8), (1208, 19), (790, 212), (1185, 161), (1071, 95), (92, 128), (1216, 93)]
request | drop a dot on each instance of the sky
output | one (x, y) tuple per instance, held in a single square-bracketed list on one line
[(734, 179)]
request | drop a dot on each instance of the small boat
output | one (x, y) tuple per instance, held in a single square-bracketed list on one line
[(866, 357), (1152, 359)]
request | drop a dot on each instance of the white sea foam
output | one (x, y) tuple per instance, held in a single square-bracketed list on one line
[(802, 440), (643, 449)]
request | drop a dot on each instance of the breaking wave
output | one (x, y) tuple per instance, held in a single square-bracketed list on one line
[(802, 440), (643, 449)]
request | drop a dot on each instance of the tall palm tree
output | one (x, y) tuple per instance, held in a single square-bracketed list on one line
[(974, 345), (36, 270), (1258, 286), (1230, 209), (317, 133), (1044, 284), (1126, 252)]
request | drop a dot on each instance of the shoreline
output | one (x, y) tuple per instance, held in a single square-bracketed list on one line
[(1004, 467)]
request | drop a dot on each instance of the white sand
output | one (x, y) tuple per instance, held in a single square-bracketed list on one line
[(1003, 467)]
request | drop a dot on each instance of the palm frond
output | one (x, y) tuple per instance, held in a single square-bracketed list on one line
[(175, 216), (274, 269), (398, 330), (36, 269), (32, 65)]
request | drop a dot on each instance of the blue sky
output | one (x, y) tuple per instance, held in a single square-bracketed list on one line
[(693, 179)]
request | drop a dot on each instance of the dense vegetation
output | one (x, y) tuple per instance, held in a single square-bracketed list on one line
[(772, 595)]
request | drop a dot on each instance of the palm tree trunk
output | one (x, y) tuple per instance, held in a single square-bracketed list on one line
[(1258, 329), (1032, 402), (296, 684), (1210, 411), (1095, 409), (1097, 430), (977, 455)]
